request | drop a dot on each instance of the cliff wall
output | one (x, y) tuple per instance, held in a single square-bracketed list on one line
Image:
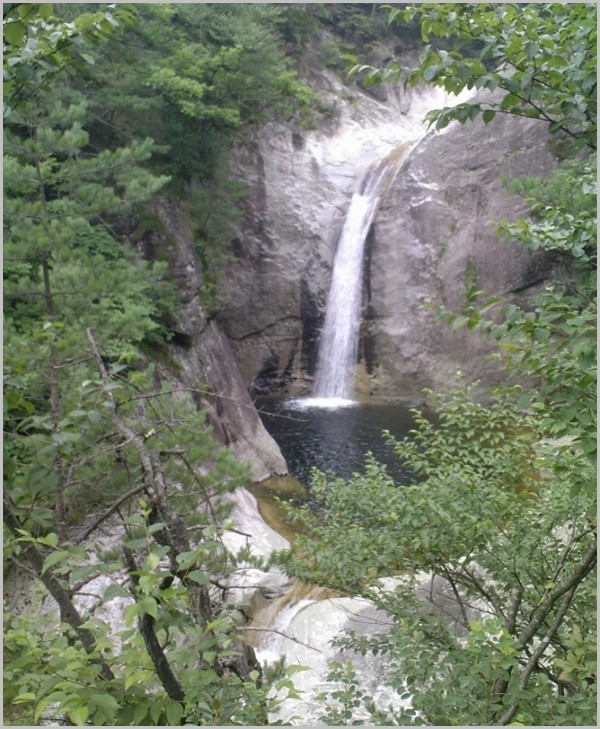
[(433, 233), (199, 356)]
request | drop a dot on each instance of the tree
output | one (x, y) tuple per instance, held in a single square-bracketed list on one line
[(193, 77), (93, 441), (38, 46), (543, 57), (140, 458), (501, 516), (64, 269), (498, 520)]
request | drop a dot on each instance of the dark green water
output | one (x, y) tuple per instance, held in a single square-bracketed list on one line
[(335, 439)]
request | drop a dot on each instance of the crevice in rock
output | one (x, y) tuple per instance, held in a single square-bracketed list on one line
[(312, 320), (262, 330)]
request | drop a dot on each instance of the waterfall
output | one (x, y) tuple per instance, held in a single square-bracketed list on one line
[(338, 347)]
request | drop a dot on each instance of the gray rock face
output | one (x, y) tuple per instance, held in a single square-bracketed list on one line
[(434, 231), (199, 357), (434, 235), (299, 189)]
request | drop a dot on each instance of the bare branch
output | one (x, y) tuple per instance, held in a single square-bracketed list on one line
[(586, 564), (280, 632), (459, 598), (111, 510), (537, 653)]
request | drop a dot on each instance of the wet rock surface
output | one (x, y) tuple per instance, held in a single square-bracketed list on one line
[(434, 234), (275, 289), (433, 237)]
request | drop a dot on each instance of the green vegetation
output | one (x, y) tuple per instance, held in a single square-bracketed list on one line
[(108, 106), (91, 440), (503, 517), (541, 56), (193, 77)]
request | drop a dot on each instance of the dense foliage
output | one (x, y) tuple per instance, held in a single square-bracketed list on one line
[(193, 77), (95, 447), (492, 552), (542, 57)]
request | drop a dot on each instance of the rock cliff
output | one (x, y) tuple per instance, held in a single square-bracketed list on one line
[(299, 188), (434, 230), (433, 236), (199, 356)]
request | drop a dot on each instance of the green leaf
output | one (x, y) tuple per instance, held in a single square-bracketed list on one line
[(430, 72), (83, 572), (153, 528), (106, 703), (459, 322), (65, 437), (152, 561), (297, 668), (43, 704), (50, 540), (78, 715), (14, 32), (156, 708), (174, 711), (140, 677), (186, 559), (199, 577), (149, 605), (24, 698), (130, 613), (114, 590), (45, 10), (140, 711), (54, 558)]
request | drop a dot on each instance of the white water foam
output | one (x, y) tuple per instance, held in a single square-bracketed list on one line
[(338, 346), (327, 403), (272, 647), (339, 339)]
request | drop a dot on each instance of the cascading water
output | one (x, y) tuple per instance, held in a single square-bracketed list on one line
[(339, 339), (312, 620)]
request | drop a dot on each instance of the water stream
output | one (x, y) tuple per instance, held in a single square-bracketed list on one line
[(333, 431), (339, 339)]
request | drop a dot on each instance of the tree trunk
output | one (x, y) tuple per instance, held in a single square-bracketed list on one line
[(68, 612), (174, 535)]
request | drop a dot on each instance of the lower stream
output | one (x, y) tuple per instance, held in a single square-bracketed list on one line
[(334, 439)]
